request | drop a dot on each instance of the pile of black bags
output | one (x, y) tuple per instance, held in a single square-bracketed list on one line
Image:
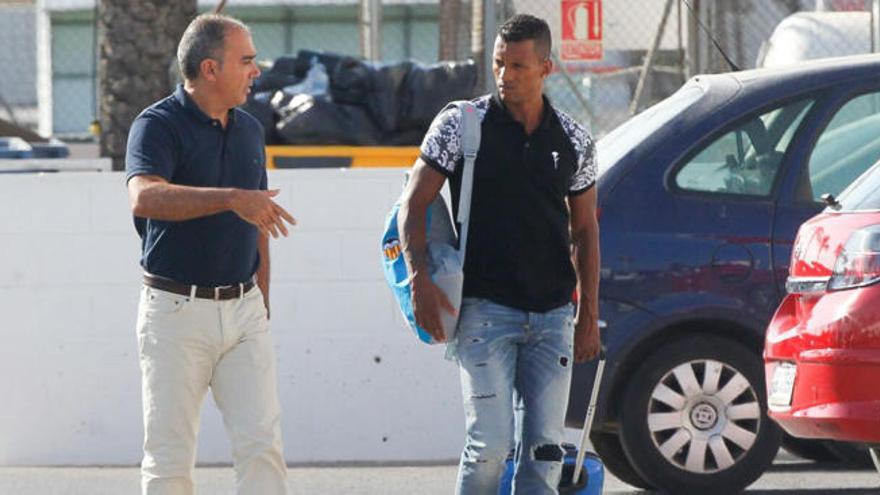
[(320, 98)]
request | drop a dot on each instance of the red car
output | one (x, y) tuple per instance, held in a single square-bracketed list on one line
[(822, 349)]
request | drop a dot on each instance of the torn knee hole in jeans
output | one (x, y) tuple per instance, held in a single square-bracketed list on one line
[(483, 396), (479, 460), (549, 452), (563, 361)]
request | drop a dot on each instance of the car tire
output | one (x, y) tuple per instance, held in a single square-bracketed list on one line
[(694, 417), (608, 447), (808, 448), (854, 455)]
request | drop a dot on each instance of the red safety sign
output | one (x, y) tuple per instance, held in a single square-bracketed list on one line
[(848, 5), (581, 30)]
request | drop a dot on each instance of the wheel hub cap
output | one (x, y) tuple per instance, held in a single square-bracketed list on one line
[(704, 416)]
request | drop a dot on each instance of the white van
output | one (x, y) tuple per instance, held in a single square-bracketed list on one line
[(812, 35)]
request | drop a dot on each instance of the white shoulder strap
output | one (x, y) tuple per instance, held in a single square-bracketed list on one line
[(470, 145)]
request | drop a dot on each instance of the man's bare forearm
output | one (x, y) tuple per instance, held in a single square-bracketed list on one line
[(172, 202), (422, 189), (413, 242), (586, 260)]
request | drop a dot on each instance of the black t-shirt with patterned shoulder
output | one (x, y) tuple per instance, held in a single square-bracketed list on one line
[(518, 251)]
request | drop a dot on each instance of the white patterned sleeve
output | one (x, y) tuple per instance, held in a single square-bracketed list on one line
[(586, 173), (441, 147)]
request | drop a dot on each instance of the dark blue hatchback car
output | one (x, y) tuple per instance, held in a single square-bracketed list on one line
[(700, 198)]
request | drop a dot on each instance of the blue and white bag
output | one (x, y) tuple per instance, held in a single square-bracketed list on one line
[(445, 250)]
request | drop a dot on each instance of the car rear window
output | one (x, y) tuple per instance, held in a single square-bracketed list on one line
[(864, 193), (626, 136)]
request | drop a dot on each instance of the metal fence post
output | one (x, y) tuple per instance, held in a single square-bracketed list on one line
[(875, 26), (371, 27), (44, 69), (489, 27), (693, 40), (649, 59)]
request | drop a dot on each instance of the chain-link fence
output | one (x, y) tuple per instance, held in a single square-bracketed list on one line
[(74, 72), (601, 92), (409, 30), (652, 47), (649, 47), (18, 84)]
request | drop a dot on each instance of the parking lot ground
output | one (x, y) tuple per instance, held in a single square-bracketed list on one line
[(787, 476)]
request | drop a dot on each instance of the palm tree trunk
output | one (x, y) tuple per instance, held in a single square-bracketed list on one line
[(138, 43)]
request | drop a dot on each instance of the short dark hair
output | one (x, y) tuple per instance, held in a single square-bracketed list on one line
[(524, 27), (204, 38)]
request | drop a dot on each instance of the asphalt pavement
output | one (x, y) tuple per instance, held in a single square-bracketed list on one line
[(787, 476)]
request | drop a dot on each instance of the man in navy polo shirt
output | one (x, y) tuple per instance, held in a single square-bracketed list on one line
[(197, 182), (533, 213)]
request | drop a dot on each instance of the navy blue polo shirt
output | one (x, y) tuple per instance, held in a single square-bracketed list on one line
[(175, 140)]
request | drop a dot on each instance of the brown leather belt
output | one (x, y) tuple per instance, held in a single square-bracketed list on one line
[(215, 293)]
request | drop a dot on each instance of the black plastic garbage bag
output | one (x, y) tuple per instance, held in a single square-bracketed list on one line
[(298, 65), (309, 120), (427, 89), (374, 86), (329, 60), (285, 71), (351, 81), (259, 106), (272, 81), (290, 65), (385, 98), (290, 70), (390, 104)]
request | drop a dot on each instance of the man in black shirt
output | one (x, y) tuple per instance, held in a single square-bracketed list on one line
[(533, 213)]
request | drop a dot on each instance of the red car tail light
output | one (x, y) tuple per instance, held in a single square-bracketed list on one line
[(858, 264)]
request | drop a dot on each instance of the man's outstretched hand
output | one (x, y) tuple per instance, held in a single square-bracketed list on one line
[(259, 209)]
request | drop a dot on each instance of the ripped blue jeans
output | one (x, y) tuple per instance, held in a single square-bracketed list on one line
[(515, 374)]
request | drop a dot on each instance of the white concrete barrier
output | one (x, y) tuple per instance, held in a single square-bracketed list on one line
[(355, 385)]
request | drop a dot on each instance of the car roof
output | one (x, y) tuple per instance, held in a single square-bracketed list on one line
[(728, 96), (817, 73)]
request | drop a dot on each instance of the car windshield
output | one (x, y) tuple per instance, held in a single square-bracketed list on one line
[(863, 194), (626, 136)]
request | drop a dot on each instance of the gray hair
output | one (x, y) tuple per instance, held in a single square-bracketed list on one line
[(203, 39)]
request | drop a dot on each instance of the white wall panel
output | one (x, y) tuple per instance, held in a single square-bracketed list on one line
[(355, 385)]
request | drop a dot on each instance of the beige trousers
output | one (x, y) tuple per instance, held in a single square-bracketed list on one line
[(186, 346)]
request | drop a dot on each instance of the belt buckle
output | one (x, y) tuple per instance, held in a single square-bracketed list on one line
[(216, 293)]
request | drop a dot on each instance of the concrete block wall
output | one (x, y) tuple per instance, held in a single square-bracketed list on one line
[(354, 384)]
